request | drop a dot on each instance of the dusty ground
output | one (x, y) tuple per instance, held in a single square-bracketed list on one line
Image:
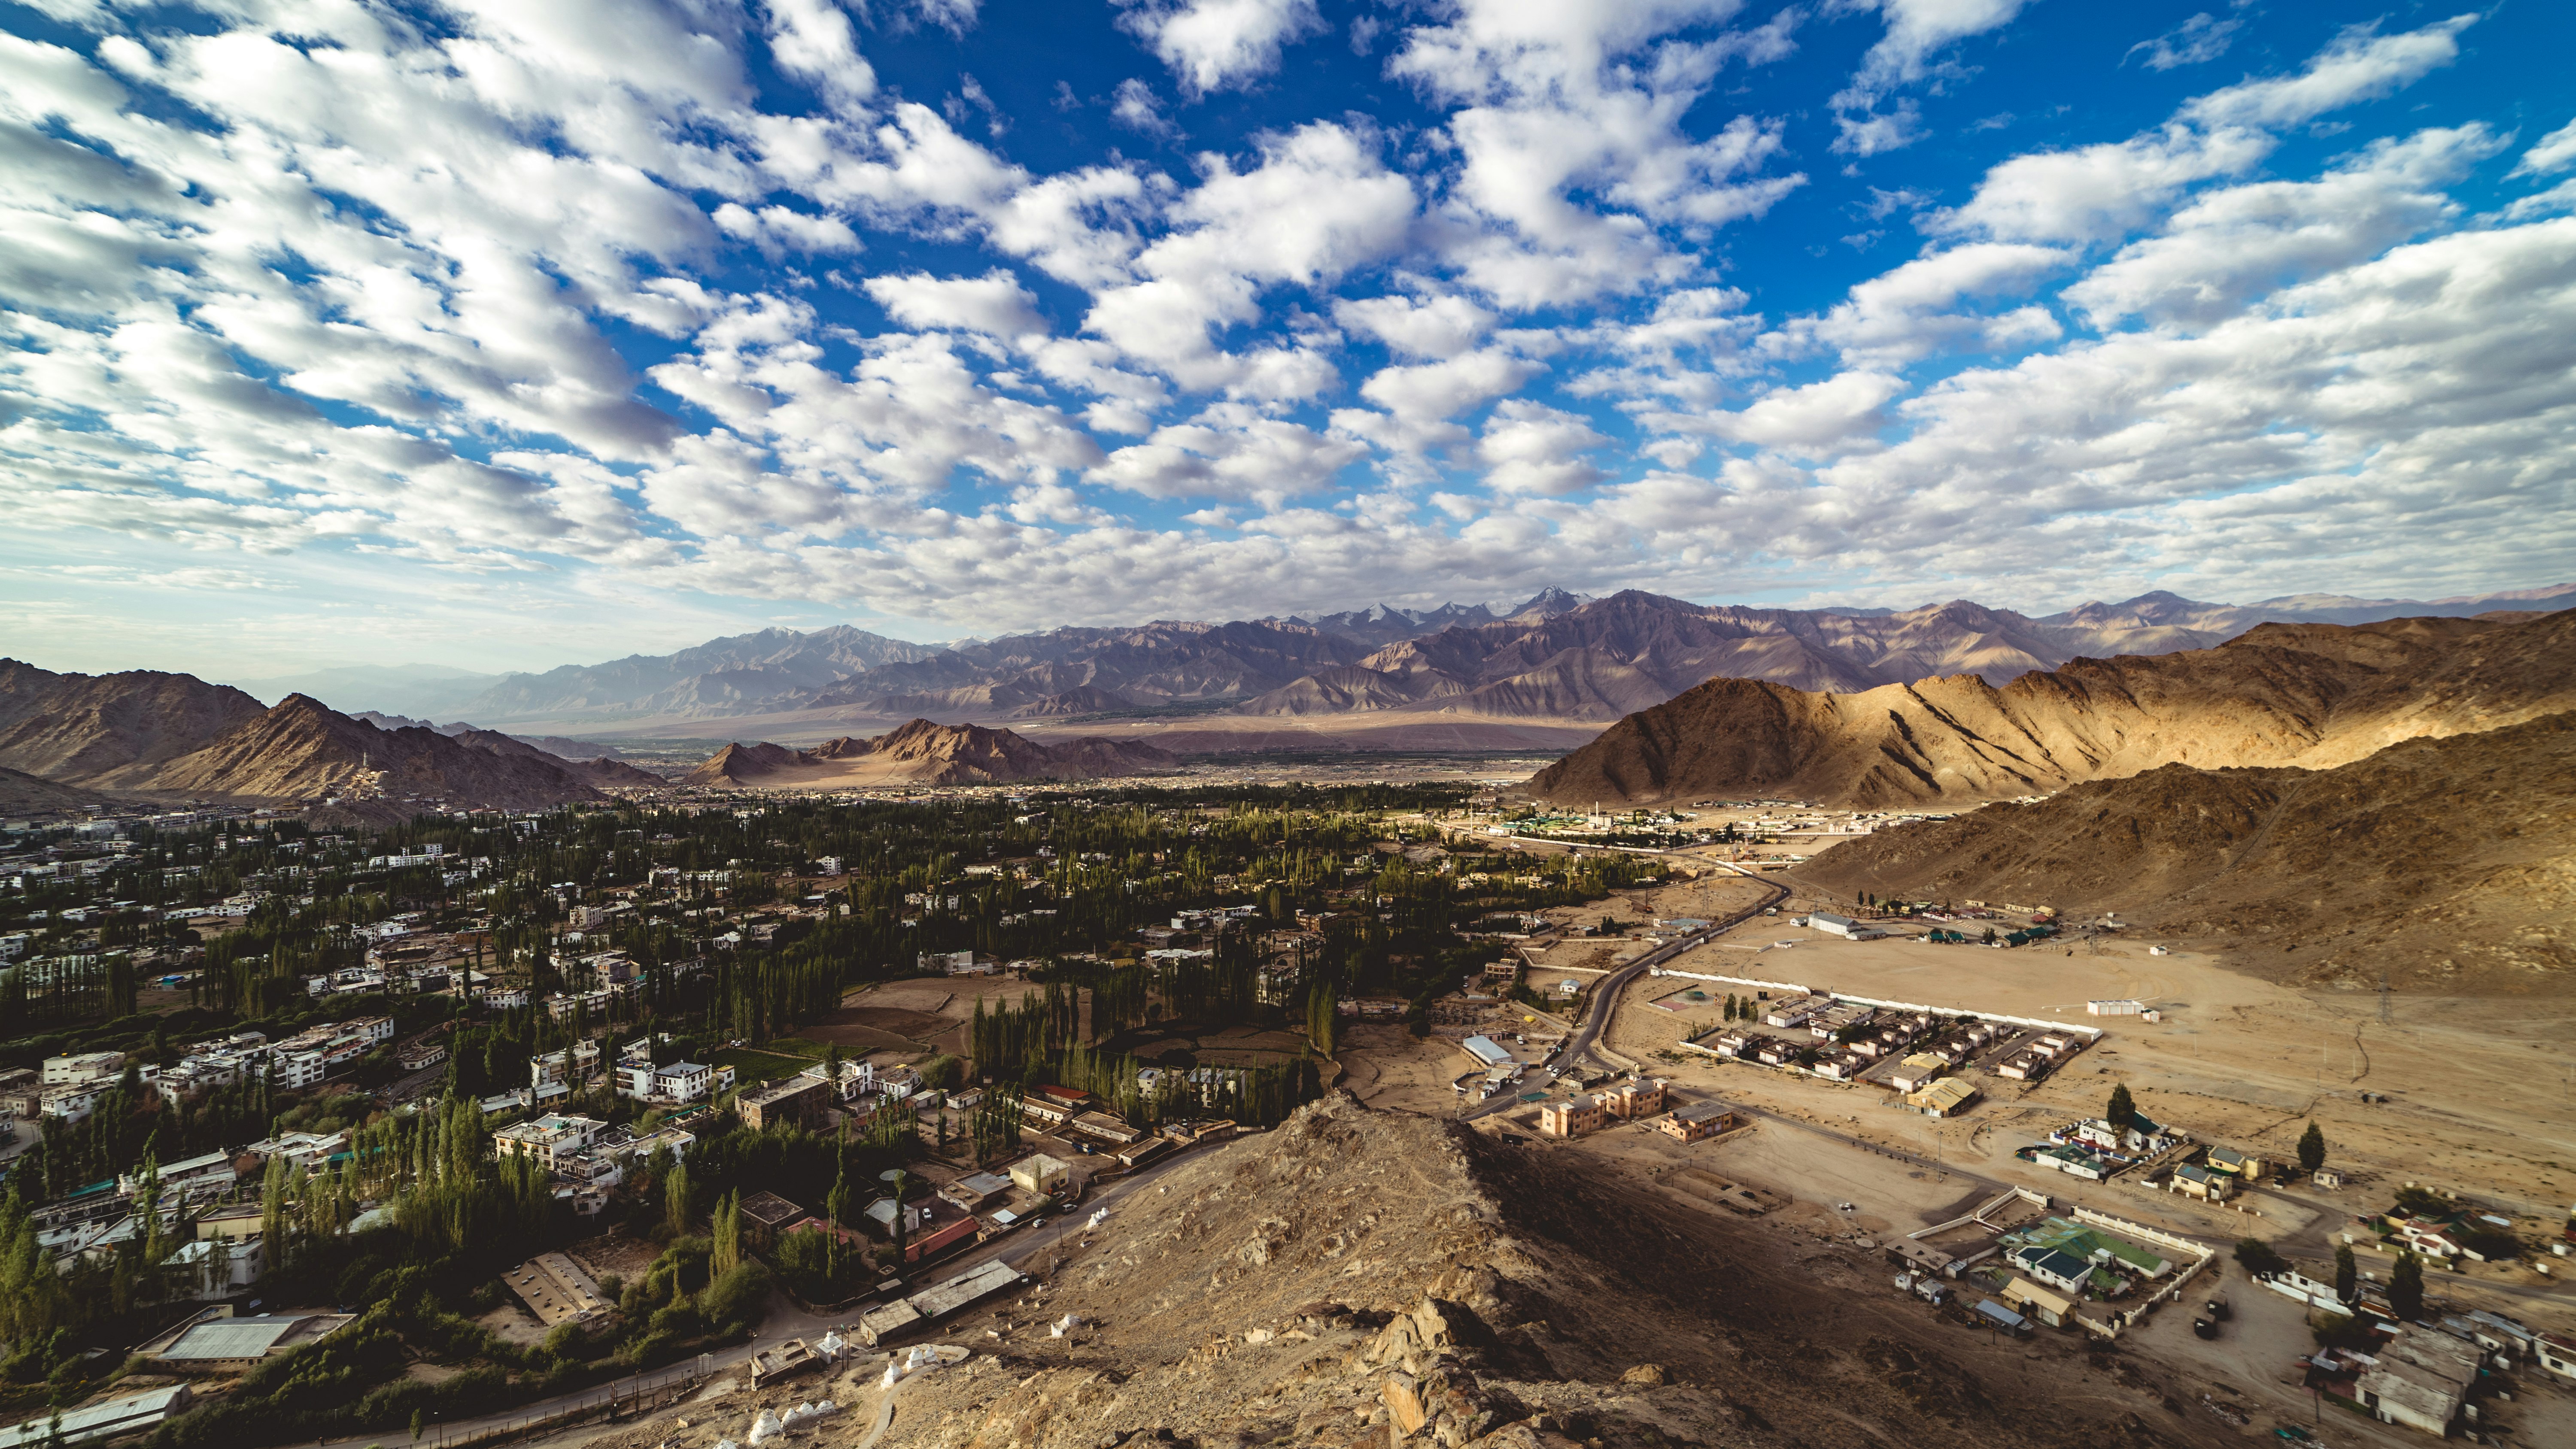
[(1268, 1292), (919, 1016)]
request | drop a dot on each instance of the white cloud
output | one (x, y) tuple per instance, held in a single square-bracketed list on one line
[(1908, 313), (2553, 152), (1549, 108), (1213, 44), (994, 304), (2237, 243), (1531, 448), (2097, 192), (1836, 415), (1440, 326), (1137, 108), (815, 40), (2359, 66), (1319, 205), (1917, 32), (2201, 38), (1229, 452)]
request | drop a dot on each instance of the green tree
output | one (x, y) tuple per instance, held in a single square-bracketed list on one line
[(2406, 1287), (675, 1199), (2312, 1149), (2347, 1276), (418, 1423), (2258, 1259), (2122, 1111)]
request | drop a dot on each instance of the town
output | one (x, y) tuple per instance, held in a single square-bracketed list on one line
[(604, 1095)]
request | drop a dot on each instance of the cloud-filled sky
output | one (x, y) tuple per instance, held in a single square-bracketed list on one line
[(504, 334)]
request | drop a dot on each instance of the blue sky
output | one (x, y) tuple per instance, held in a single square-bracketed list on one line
[(500, 335)]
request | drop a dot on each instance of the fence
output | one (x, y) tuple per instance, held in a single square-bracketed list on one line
[(621, 1399)]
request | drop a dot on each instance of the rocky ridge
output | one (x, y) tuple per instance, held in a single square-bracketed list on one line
[(2312, 695)]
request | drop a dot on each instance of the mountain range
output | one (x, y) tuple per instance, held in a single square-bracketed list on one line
[(144, 733), (923, 753), (2312, 696), (1558, 658)]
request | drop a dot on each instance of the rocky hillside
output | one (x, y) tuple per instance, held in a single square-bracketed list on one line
[(601, 771), (2313, 695), (146, 733), (1357, 1279), (80, 726), (924, 753), (303, 751), (2447, 863)]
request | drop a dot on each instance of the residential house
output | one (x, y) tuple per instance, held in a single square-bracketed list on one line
[(2050, 1308), (1572, 1117), (1040, 1174), (2055, 1267), (549, 1139), (2195, 1181), (1699, 1120), (1631, 1101), (2240, 1165)]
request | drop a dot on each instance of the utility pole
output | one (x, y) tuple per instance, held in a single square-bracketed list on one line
[(2387, 1007)]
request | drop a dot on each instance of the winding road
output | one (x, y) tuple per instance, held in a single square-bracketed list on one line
[(1605, 994)]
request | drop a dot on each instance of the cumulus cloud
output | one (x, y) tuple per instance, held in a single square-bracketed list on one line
[(1213, 44), (1547, 106), (1530, 447), (994, 304)]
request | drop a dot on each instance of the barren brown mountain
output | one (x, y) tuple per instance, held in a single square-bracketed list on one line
[(21, 792), (77, 726), (2313, 695), (2448, 863), (924, 753), (173, 734), (303, 750), (599, 770)]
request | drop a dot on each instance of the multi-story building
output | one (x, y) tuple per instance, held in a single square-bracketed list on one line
[(1570, 1118), (550, 1139)]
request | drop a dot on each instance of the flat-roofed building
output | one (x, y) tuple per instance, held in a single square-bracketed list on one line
[(1630, 1101), (550, 1139), (798, 1099), (1695, 1121), (1485, 1053), (1571, 1118)]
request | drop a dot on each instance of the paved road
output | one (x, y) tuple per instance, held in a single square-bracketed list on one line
[(1605, 995)]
